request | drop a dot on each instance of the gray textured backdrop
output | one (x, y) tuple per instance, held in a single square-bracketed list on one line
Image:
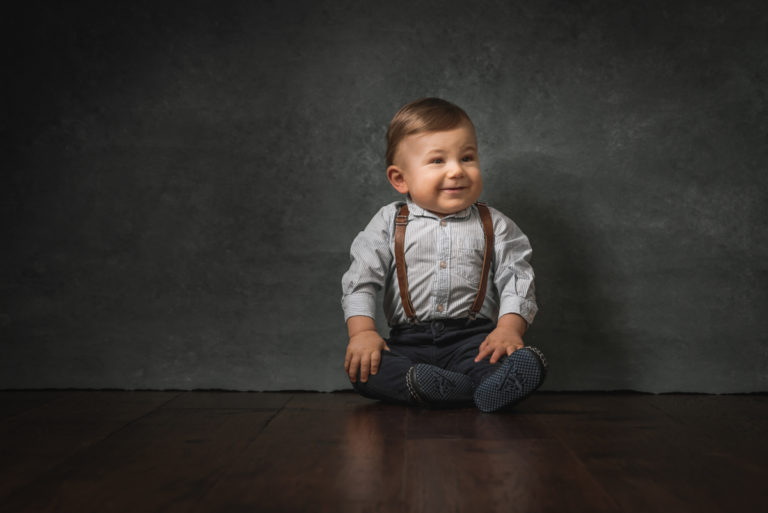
[(182, 181)]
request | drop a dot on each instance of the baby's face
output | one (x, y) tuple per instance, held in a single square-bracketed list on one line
[(440, 170)]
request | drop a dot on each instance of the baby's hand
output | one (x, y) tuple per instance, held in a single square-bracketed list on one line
[(498, 343), (364, 355), (505, 339)]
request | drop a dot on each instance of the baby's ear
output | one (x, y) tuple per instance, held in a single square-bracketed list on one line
[(396, 178)]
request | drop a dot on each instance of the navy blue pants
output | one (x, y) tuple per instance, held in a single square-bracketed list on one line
[(450, 344)]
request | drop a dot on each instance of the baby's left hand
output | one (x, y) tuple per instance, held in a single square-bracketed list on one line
[(499, 342)]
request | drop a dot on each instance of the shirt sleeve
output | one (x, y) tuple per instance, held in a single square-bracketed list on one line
[(513, 274), (370, 263)]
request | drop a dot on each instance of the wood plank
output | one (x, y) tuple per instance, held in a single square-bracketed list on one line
[(737, 423), (14, 402), (40, 438), (531, 475), (469, 423), (648, 461), (163, 462), (230, 400), (319, 459), (331, 401)]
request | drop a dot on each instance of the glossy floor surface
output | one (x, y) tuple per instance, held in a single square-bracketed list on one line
[(307, 452)]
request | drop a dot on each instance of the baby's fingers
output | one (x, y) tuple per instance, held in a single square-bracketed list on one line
[(375, 361), (484, 351), (497, 353), (365, 367), (354, 365)]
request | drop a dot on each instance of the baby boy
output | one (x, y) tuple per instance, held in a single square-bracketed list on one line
[(457, 283)]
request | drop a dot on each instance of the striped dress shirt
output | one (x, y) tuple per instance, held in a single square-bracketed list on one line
[(444, 258)]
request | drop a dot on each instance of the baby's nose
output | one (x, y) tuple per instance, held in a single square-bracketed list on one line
[(455, 169)]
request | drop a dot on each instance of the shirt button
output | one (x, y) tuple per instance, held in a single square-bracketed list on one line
[(443, 265), (439, 308), (443, 223)]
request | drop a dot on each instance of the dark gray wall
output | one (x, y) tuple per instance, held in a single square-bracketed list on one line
[(182, 182)]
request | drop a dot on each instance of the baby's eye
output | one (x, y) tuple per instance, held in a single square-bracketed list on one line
[(468, 158), (437, 160)]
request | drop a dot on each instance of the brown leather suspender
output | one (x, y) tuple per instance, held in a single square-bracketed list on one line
[(485, 217), (401, 222)]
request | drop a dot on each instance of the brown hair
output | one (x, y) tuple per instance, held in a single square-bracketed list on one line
[(424, 115)]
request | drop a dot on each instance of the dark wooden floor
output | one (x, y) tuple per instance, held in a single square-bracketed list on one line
[(263, 452)]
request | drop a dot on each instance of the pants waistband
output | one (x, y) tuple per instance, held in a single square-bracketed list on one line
[(441, 324), (438, 331)]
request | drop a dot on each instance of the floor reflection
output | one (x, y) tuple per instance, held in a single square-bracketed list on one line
[(371, 450)]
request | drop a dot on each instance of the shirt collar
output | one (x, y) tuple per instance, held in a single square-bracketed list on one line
[(416, 210)]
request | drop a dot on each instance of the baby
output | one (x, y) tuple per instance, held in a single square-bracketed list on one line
[(458, 285)]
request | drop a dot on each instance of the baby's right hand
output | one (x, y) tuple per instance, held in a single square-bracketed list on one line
[(364, 355)]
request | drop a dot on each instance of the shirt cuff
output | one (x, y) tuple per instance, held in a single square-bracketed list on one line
[(359, 303), (521, 306)]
